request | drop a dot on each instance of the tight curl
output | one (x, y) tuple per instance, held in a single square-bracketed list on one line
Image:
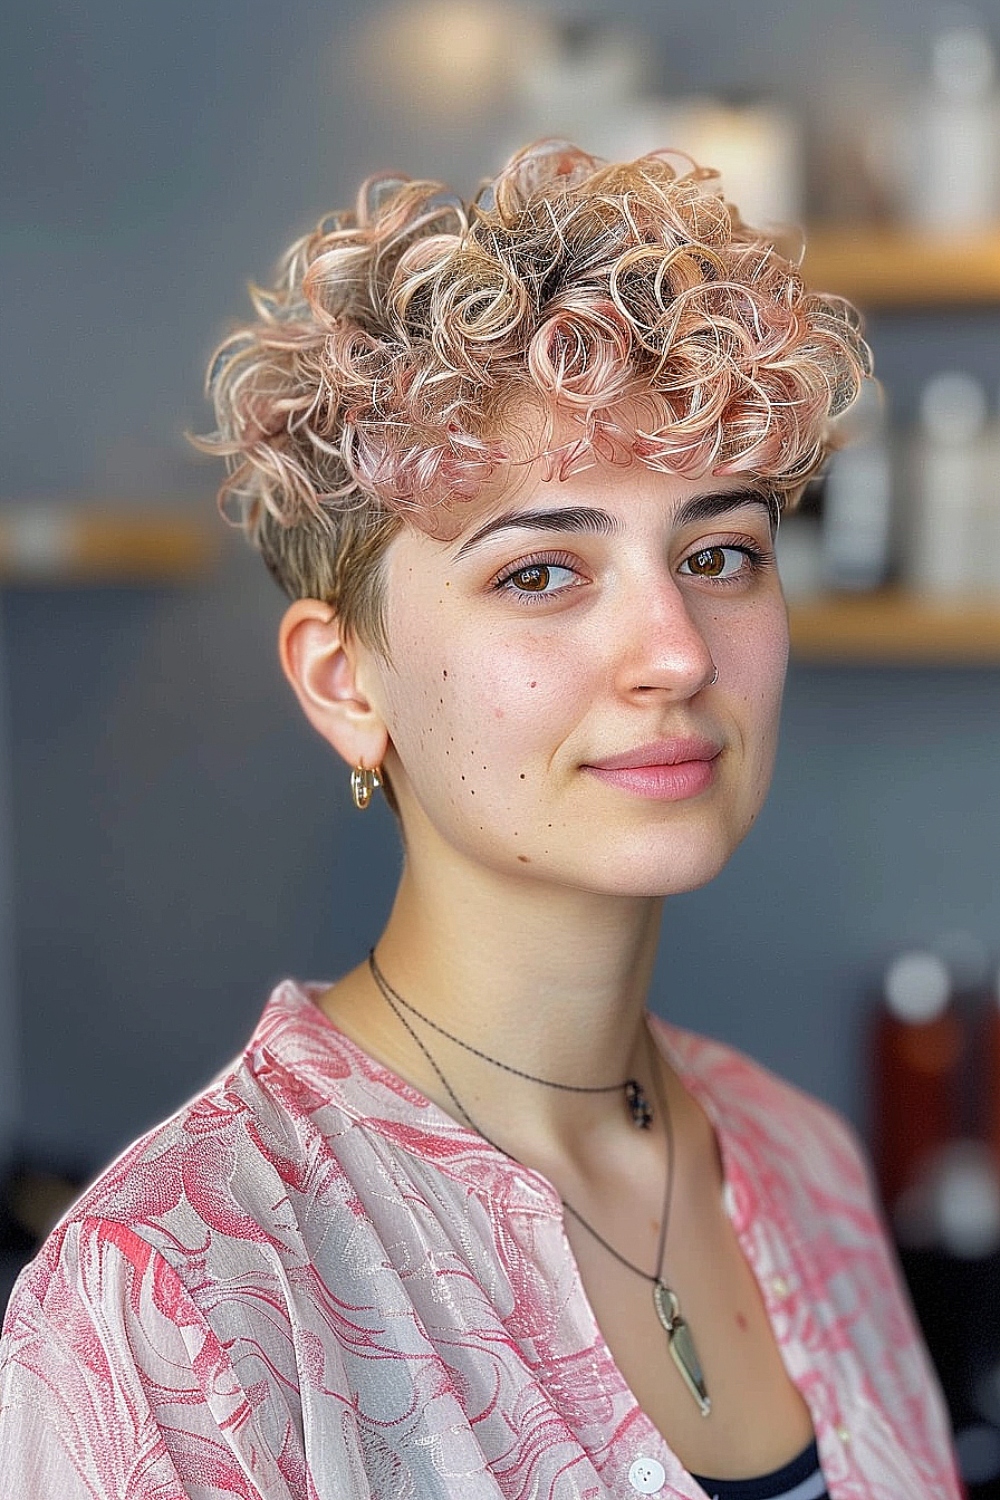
[(390, 368)]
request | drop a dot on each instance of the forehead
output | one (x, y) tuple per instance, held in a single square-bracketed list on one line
[(555, 460)]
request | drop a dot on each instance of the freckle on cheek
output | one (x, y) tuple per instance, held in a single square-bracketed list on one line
[(523, 859)]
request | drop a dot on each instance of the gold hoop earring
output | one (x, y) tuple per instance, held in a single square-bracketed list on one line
[(364, 784)]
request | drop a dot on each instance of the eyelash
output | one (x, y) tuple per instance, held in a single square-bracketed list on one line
[(757, 559), (503, 583)]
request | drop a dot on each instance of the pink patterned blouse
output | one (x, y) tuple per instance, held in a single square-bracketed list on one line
[(311, 1284)]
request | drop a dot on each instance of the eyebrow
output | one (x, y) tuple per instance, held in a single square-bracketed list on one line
[(564, 518), (708, 507), (586, 518)]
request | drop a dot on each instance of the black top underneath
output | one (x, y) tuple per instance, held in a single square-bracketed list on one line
[(802, 1479)]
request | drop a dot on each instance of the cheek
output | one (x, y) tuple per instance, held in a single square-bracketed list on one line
[(765, 710), (754, 659), (770, 667), (753, 668), (480, 721)]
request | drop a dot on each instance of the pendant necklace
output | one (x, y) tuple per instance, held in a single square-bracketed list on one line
[(665, 1301)]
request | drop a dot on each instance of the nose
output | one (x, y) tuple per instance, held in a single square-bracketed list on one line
[(664, 648)]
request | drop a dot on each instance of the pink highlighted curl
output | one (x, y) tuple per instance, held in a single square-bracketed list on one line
[(387, 364)]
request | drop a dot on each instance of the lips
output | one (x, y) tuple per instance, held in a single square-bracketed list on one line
[(664, 771), (674, 752)]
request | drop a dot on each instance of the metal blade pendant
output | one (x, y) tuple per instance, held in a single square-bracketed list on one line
[(681, 1345)]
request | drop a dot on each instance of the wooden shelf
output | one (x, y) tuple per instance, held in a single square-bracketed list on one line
[(888, 268), (895, 629), (54, 544)]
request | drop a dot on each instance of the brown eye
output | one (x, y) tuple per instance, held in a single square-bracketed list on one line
[(708, 563), (533, 580), (538, 580)]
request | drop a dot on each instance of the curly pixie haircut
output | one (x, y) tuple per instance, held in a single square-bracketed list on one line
[(390, 369)]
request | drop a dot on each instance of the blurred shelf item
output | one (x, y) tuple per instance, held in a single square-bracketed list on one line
[(56, 544), (885, 268), (894, 628)]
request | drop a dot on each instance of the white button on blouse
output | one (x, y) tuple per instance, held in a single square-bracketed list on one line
[(647, 1476)]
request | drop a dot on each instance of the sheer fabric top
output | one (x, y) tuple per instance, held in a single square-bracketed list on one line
[(312, 1283)]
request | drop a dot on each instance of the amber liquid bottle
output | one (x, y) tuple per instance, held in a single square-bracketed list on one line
[(941, 1186), (919, 1055), (990, 1065)]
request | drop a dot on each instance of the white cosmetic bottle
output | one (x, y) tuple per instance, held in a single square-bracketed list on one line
[(857, 498), (954, 161), (943, 550)]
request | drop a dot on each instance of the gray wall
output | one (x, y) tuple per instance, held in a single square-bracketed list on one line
[(180, 838), (10, 1040)]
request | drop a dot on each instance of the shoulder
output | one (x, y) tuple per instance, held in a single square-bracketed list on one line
[(763, 1115), (156, 1216), (804, 1206), (795, 1169), (206, 1189), (302, 1146), (230, 1162), (137, 1343)]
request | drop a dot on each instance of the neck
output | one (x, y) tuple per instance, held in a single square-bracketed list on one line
[(552, 981)]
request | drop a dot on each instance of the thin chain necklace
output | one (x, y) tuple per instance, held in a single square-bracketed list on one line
[(665, 1300), (638, 1106)]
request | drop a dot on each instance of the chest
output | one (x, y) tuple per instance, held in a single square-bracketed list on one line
[(758, 1419), (523, 1367)]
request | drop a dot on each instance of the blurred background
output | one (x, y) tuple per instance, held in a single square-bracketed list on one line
[(173, 839)]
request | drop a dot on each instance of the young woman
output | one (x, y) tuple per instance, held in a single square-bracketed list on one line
[(469, 1222)]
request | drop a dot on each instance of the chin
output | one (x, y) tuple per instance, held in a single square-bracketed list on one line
[(668, 867), (681, 875), (671, 860)]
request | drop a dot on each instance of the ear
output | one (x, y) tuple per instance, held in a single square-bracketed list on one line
[(323, 666)]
